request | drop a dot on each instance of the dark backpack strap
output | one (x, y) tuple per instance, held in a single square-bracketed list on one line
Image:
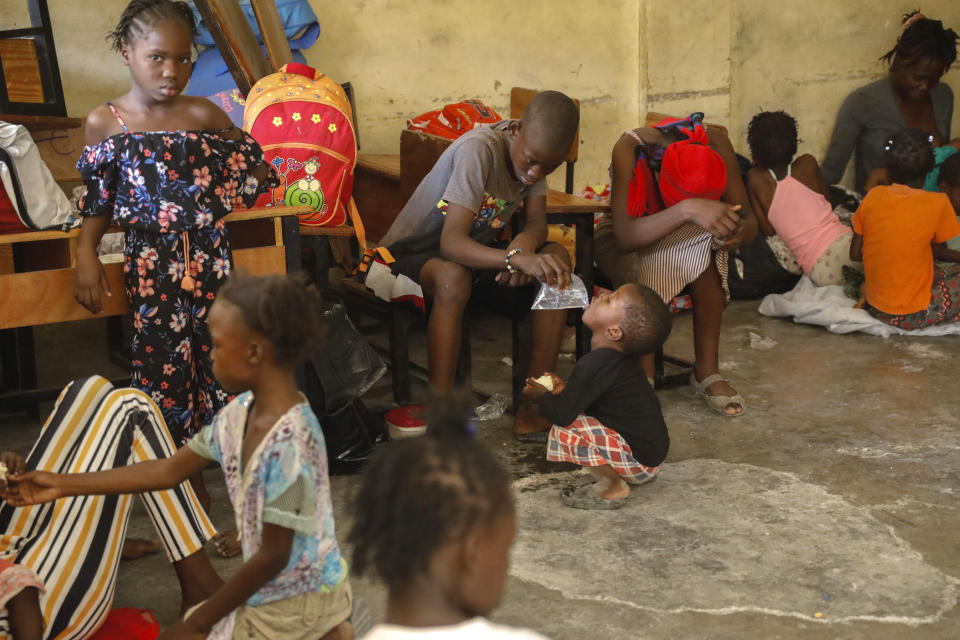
[(17, 189)]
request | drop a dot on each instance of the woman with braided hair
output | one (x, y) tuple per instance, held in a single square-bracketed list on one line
[(909, 96)]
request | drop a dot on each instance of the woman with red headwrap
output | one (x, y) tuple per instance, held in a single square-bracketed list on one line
[(678, 205)]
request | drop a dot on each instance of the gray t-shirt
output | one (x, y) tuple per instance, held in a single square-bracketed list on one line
[(473, 173), (867, 118)]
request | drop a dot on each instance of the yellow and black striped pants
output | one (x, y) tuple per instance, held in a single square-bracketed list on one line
[(74, 544)]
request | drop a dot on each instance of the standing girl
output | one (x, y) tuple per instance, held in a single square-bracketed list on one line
[(293, 583), (167, 168)]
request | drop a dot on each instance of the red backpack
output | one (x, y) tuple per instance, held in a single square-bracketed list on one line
[(304, 124)]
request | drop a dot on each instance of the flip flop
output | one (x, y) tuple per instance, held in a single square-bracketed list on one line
[(584, 497), (718, 403), (532, 437)]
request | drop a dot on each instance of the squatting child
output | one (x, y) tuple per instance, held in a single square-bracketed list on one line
[(606, 417)]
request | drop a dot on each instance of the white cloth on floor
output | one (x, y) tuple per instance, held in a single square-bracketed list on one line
[(830, 308)]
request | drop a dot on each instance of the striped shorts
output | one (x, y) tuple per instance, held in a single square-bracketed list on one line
[(588, 443), (74, 544)]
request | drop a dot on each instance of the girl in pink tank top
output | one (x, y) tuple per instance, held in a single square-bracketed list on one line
[(790, 202)]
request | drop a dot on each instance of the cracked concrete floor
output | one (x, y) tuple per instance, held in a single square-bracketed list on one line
[(829, 510)]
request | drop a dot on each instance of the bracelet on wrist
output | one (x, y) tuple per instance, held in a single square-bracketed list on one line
[(506, 261)]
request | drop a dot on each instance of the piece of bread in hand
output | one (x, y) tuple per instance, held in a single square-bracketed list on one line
[(546, 380)]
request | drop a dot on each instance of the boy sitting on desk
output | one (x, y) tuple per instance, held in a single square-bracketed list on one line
[(444, 241)]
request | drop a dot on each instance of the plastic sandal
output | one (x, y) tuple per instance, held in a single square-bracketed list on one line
[(718, 403), (584, 497), (532, 437)]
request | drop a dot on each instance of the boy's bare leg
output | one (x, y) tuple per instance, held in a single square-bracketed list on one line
[(708, 304), (546, 335), (609, 485), (198, 579), (24, 615), (449, 284)]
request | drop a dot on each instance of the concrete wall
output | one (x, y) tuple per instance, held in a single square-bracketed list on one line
[(621, 58)]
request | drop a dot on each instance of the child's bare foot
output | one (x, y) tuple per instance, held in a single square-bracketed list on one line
[(134, 548), (529, 426), (228, 543), (587, 497)]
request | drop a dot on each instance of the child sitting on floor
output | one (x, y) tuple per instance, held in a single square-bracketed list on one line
[(898, 231), (788, 197), (614, 426), (435, 519), (293, 582), (444, 241)]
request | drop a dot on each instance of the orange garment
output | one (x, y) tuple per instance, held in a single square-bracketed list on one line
[(898, 224)]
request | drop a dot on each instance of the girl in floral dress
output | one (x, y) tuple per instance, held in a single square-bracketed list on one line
[(167, 168)]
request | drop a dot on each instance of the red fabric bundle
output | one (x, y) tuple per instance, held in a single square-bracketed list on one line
[(691, 169)]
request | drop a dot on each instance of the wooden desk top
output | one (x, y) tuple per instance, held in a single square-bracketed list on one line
[(388, 166), (385, 164), (236, 216)]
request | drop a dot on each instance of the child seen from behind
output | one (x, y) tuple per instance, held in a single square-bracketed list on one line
[(788, 197), (269, 443), (435, 520), (898, 232), (611, 420)]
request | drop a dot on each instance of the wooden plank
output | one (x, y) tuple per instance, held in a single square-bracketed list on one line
[(41, 123), (261, 261), (43, 297), (336, 232), (21, 70), (271, 31), (242, 215), (235, 41), (560, 202), (385, 164), (60, 147), (419, 151)]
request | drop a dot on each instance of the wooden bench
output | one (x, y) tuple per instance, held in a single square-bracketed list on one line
[(36, 286)]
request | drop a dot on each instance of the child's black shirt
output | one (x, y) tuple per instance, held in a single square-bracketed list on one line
[(612, 387)]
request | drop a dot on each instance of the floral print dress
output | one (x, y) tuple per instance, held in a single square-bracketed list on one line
[(170, 190)]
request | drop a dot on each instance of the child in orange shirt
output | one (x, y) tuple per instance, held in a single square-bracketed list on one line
[(898, 231)]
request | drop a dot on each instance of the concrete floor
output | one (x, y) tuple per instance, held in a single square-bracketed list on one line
[(829, 510)]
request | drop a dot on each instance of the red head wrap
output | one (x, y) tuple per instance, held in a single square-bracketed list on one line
[(691, 169)]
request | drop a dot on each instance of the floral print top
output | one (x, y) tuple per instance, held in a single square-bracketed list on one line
[(171, 181), (285, 483)]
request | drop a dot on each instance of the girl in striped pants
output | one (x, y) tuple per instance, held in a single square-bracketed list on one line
[(73, 545)]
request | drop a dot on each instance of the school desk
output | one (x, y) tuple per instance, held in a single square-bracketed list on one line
[(36, 284)]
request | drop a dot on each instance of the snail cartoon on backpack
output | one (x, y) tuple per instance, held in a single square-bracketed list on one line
[(306, 190)]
